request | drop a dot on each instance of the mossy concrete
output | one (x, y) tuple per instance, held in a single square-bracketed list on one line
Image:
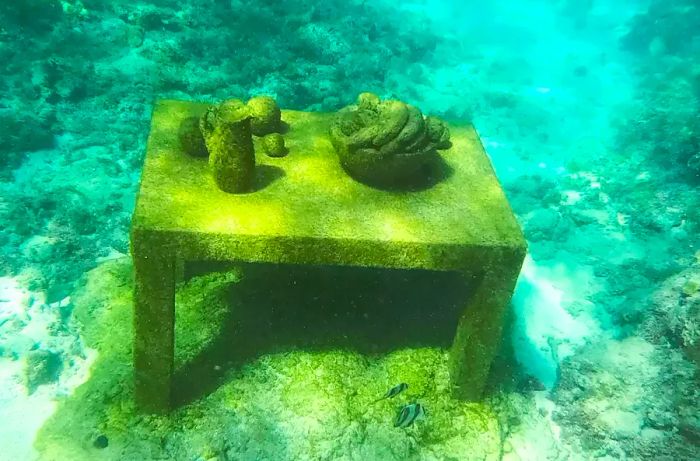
[(305, 209)]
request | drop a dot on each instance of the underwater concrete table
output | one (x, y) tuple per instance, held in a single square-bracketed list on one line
[(311, 212)]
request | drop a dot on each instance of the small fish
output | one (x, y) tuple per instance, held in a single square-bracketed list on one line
[(393, 392), (409, 414)]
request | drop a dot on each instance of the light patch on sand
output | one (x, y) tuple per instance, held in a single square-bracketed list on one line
[(622, 219), (570, 197), (552, 318), (538, 438), (25, 412), (592, 179), (25, 322)]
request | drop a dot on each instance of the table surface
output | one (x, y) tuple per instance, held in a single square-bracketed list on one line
[(308, 195)]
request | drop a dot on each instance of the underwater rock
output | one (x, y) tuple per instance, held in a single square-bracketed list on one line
[(669, 27), (668, 139), (387, 143), (38, 248), (227, 134), (532, 192), (546, 224), (265, 115), (101, 441), (273, 144), (42, 367), (38, 16), (135, 36), (675, 313), (22, 133), (647, 412), (191, 138)]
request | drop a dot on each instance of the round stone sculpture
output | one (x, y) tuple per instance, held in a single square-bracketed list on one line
[(265, 115), (387, 143), (273, 144)]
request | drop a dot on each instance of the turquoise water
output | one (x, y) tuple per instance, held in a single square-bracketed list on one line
[(589, 112)]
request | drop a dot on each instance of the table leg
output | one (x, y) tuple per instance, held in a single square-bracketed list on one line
[(479, 331), (154, 330)]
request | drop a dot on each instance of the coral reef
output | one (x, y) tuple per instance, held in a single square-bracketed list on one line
[(42, 367), (675, 313), (667, 128), (648, 414), (21, 134), (387, 143), (664, 28), (35, 16)]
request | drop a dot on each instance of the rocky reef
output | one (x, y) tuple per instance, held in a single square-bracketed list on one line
[(667, 128), (616, 415), (675, 313), (588, 111)]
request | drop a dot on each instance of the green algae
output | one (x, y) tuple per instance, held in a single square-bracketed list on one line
[(227, 135), (286, 404), (177, 194), (273, 145), (310, 212)]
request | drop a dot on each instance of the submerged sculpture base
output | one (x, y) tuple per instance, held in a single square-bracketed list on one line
[(306, 210), (281, 404)]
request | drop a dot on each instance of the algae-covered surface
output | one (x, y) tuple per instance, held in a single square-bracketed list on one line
[(305, 209), (588, 111), (286, 403), (308, 195)]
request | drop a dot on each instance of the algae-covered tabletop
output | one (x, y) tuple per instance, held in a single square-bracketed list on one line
[(305, 209)]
